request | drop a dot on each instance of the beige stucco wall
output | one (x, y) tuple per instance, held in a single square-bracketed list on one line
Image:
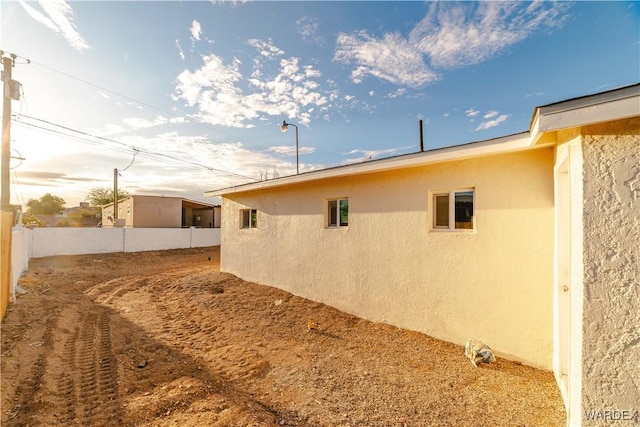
[(611, 305), (153, 212), (494, 284)]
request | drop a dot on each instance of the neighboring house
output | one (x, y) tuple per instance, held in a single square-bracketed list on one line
[(140, 211), (527, 242)]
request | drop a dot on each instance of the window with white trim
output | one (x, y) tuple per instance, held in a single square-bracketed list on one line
[(338, 213), (248, 218), (453, 210)]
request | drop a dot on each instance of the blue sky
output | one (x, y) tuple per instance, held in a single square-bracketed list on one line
[(198, 90)]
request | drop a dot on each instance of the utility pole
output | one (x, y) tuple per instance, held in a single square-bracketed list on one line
[(7, 63), (10, 91), (115, 195)]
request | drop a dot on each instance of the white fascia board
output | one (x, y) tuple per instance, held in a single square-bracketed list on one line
[(616, 104), (550, 120), (505, 144)]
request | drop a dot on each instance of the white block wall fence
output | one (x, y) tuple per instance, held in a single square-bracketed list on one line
[(44, 242)]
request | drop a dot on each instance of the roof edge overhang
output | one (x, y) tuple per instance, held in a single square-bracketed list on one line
[(616, 104), (516, 142), (182, 199)]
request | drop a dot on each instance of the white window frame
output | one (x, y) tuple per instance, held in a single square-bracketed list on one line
[(451, 227), (250, 224), (327, 219)]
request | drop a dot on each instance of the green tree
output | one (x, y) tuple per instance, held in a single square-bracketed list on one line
[(46, 205), (100, 196), (30, 220)]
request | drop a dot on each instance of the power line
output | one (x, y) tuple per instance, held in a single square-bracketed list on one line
[(148, 153), (171, 113)]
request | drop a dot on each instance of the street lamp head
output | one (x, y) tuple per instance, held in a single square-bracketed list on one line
[(285, 126)]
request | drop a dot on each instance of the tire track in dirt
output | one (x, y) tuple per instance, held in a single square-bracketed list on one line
[(152, 340), (164, 308), (96, 370), (82, 372)]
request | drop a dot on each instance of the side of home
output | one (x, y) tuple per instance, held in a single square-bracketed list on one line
[(528, 243), (396, 256)]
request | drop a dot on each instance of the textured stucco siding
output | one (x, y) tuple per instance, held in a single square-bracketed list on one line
[(494, 284), (154, 212), (611, 307)]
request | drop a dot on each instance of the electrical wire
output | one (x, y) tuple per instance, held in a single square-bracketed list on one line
[(83, 137), (171, 113)]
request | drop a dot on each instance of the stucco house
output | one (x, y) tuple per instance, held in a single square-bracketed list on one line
[(140, 211), (528, 243)]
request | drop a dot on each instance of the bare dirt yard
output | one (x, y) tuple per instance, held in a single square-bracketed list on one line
[(165, 339)]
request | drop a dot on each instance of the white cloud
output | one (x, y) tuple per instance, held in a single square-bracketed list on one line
[(454, 34), (195, 30), (229, 162), (450, 35), (225, 97), (180, 51), (291, 150), (309, 28), (391, 58), (110, 129), (266, 48), (492, 123), (59, 19), (471, 112), (140, 123), (490, 114), (401, 91)]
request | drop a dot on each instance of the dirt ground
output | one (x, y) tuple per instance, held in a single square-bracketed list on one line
[(164, 339)]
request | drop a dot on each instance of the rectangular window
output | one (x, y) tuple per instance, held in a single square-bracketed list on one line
[(248, 218), (453, 210), (338, 212)]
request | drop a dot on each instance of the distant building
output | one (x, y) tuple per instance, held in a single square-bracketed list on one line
[(139, 211)]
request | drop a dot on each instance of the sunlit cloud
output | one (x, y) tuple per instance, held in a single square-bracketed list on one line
[(492, 123), (390, 58), (195, 30), (291, 150), (266, 48), (58, 16), (224, 96), (490, 114), (454, 35), (471, 112), (180, 51), (309, 29), (140, 123), (450, 35), (401, 91)]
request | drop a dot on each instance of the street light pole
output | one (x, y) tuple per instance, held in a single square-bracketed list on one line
[(284, 128)]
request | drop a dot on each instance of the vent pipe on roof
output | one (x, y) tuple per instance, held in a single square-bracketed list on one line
[(421, 137)]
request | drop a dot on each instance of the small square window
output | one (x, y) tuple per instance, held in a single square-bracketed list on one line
[(338, 212), (248, 218), (453, 210)]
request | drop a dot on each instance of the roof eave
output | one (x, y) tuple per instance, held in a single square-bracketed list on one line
[(616, 104), (506, 144)]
